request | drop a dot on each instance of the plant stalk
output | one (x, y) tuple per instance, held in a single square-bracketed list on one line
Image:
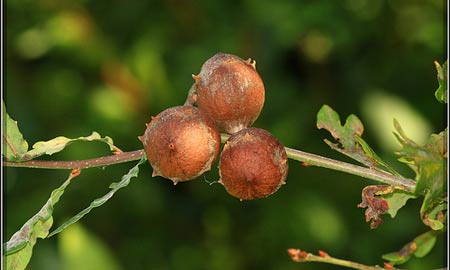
[(298, 255), (79, 164), (308, 158), (319, 161)]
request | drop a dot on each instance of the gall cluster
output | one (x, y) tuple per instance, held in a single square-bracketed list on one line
[(183, 142)]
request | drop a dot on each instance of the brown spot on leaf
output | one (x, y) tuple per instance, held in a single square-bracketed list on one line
[(376, 206)]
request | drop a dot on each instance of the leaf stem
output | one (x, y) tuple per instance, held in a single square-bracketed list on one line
[(308, 158)]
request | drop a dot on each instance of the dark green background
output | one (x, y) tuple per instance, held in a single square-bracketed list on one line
[(73, 67)]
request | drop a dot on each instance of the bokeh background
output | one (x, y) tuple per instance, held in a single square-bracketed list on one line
[(73, 67)]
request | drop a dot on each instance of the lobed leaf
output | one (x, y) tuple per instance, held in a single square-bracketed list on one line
[(19, 248), (419, 247), (133, 172), (14, 145), (348, 139), (441, 92), (59, 143), (429, 164)]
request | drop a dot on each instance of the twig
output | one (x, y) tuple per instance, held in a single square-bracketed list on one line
[(383, 177), (79, 164), (308, 158), (319, 161), (298, 255)]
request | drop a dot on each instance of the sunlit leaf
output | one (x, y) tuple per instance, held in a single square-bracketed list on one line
[(59, 143), (14, 145), (441, 92), (429, 164), (419, 247), (348, 138), (19, 248), (133, 172), (19, 260)]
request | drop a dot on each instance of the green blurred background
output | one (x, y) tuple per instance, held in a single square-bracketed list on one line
[(73, 67)]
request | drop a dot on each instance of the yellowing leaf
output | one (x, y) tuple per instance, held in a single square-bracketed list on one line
[(419, 247), (441, 92), (429, 163), (19, 248), (59, 143), (14, 145)]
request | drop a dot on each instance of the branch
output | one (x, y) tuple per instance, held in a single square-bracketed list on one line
[(319, 161), (298, 255), (383, 177), (308, 158), (79, 164)]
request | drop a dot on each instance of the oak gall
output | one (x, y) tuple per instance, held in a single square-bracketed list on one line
[(253, 164), (229, 90), (181, 143)]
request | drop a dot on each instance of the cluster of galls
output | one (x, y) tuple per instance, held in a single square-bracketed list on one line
[(183, 142)]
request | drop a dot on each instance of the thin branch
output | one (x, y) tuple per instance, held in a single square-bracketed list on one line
[(319, 161), (383, 177), (298, 255), (79, 164), (308, 158)]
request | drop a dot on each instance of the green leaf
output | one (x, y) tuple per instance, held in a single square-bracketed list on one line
[(59, 143), (425, 243), (371, 154), (348, 138), (397, 257), (433, 212), (397, 200), (441, 92), (429, 164), (19, 260), (328, 119), (419, 247), (19, 248), (133, 172), (14, 145)]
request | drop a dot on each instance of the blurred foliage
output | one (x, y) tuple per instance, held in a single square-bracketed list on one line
[(72, 67)]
